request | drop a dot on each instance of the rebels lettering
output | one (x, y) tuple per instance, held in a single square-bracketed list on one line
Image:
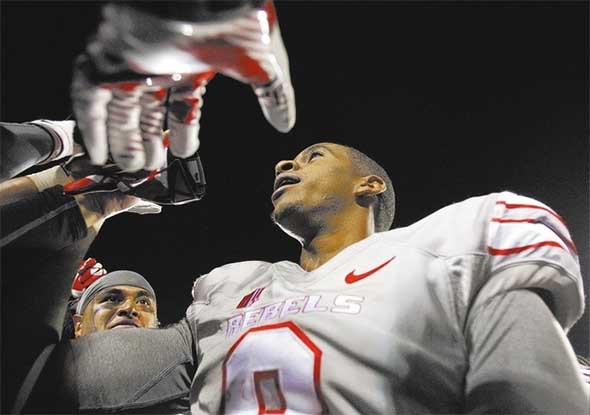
[(344, 304)]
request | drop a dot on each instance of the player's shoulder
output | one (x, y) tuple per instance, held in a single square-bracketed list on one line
[(228, 278), (456, 228), (529, 246), (477, 208), (467, 225), (498, 242)]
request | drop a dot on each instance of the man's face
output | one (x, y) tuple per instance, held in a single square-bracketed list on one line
[(319, 179), (118, 307)]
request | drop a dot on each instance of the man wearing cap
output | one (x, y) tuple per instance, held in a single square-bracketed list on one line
[(119, 299)]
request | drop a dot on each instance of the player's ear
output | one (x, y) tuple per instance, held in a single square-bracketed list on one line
[(368, 187), (77, 318)]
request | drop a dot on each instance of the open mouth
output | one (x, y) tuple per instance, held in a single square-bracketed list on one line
[(282, 182)]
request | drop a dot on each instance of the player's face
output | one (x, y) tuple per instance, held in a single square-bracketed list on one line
[(320, 179), (118, 307)]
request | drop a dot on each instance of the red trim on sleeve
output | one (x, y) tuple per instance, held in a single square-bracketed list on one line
[(516, 250), (523, 206), (568, 242), (500, 220)]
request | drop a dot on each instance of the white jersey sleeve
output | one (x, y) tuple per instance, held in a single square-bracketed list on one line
[(529, 238)]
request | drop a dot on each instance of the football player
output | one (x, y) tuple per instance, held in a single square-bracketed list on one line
[(58, 228), (444, 316), (437, 317)]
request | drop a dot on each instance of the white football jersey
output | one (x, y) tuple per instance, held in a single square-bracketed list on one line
[(379, 327)]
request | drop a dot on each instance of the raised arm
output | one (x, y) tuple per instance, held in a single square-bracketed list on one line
[(45, 235)]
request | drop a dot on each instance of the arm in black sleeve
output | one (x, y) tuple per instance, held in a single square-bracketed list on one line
[(520, 360), (36, 285), (47, 219), (49, 239), (22, 146), (130, 371)]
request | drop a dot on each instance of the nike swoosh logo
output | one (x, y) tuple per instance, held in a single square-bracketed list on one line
[(352, 277)]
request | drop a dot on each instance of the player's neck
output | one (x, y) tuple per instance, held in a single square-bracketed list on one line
[(332, 239)]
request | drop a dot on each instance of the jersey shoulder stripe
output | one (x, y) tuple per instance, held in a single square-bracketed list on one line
[(522, 229), (529, 245), (518, 249), (519, 211)]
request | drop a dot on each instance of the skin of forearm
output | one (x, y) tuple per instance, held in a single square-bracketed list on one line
[(91, 211), (96, 208), (16, 189), (20, 188)]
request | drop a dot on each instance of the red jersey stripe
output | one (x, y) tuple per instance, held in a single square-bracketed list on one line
[(568, 242), (500, 220), (518, 249), (523, 206)]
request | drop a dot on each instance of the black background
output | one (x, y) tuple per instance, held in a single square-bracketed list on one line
[(453, 99)]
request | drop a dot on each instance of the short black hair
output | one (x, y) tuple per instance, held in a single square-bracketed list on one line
[(384, 207)]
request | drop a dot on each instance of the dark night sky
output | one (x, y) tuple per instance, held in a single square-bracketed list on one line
[(453, 99)]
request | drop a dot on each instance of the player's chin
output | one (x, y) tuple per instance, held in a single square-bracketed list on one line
[(274, 216), (285, 214), (279, 213), (276, 203)]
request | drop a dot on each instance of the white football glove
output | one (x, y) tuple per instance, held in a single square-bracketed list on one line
[(141, 70)]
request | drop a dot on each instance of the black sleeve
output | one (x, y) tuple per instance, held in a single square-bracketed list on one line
[(520, 361), (22, 146), (37, 268), (125, 371), (49, 219), (36, 285)]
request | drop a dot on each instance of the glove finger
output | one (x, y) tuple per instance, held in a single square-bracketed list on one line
[(124, 135), (262, 61), (133, 204), (90, 109), (245, 54), (277, 98), (89, 271), (151, 125), (184, 113), (84, 266), (145, 207)]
